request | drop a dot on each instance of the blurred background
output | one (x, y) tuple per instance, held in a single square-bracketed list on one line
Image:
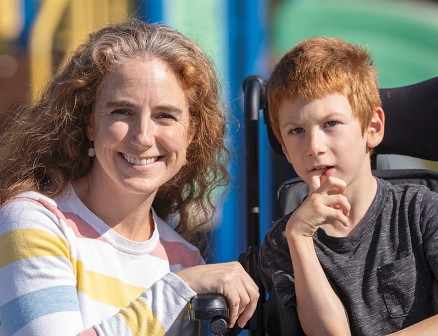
[(244, 37)]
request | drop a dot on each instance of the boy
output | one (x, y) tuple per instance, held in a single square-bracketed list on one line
[(359, 256)]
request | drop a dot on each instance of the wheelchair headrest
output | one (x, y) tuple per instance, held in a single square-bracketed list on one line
[(411, 121)]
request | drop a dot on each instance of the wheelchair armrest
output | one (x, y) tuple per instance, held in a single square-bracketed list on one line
[(214, 306), (211, 307)]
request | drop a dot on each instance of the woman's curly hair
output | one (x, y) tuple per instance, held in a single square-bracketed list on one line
[(44, 146)]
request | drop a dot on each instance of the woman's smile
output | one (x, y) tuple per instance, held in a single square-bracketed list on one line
[(142, 161), (140, 127)]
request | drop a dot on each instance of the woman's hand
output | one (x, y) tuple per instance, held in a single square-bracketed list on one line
[(230, 280)]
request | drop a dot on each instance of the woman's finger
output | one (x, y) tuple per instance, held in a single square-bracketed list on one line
[(248, 308)]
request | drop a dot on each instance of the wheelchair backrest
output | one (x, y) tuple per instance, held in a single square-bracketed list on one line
[(411, 127), (411, 114)]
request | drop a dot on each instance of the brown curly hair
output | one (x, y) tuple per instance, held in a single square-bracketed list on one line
[(45, 144)]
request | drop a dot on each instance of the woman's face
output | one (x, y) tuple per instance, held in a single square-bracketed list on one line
[(140, 126)]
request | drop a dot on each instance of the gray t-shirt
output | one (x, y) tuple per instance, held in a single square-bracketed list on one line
[(384, 273)]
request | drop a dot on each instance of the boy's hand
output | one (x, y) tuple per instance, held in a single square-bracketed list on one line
[(326, 202)]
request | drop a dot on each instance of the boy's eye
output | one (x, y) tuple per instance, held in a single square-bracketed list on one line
[(331, 123)]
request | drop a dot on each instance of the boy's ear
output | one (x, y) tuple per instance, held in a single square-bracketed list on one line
[(376, 129)]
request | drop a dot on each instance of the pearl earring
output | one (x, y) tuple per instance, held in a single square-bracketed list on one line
[(91, 152)]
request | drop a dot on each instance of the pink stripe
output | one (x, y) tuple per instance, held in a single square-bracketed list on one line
[(177, 253), (88, 332), (80, 227)]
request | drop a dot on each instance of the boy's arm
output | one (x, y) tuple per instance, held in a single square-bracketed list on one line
[(320, 310), (427, 327)]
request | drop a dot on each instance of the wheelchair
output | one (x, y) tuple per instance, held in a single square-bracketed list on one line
[(411, 114)]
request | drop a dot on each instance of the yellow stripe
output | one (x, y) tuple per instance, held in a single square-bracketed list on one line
[(30, 243), (104, 288), (141, 320)]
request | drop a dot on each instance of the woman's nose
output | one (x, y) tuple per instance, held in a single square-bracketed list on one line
[(144, 132)]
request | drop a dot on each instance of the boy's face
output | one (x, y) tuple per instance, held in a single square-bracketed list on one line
[(322, 138)]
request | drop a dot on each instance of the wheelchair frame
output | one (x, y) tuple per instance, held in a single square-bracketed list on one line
[(398, 104)]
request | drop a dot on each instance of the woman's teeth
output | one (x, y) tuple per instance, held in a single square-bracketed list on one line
[(139, 162)]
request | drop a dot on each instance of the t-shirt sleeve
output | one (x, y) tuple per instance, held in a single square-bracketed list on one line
[(276, 265), (429, 220), (277, 276)]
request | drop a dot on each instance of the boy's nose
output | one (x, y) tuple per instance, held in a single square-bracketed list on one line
[(316, 145)]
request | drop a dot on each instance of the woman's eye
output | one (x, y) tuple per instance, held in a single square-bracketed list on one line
[(166, 116), (121, 111)]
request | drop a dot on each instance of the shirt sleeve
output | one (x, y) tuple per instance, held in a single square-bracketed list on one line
[(38, 294), (429, 222), (277, 276), (276, 265), (150, 313)]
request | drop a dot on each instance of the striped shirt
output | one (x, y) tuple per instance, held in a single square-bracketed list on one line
[(63, 271)]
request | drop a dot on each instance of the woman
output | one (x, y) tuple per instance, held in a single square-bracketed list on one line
[(128, 135)]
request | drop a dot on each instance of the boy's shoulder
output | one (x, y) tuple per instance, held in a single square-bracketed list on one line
[(407, 187), (410, 195)]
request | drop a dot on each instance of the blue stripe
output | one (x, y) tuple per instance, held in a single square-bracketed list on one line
[(17, 313)]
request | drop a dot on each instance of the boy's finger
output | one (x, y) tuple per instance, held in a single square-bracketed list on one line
[(332, 185), (340, 203), (322, 179), (315, 183), (340, 217)]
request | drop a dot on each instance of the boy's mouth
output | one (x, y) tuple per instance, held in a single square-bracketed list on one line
[(323, 170), (327, 171)]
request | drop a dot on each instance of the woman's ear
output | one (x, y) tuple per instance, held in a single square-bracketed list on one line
[(376, 129)]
